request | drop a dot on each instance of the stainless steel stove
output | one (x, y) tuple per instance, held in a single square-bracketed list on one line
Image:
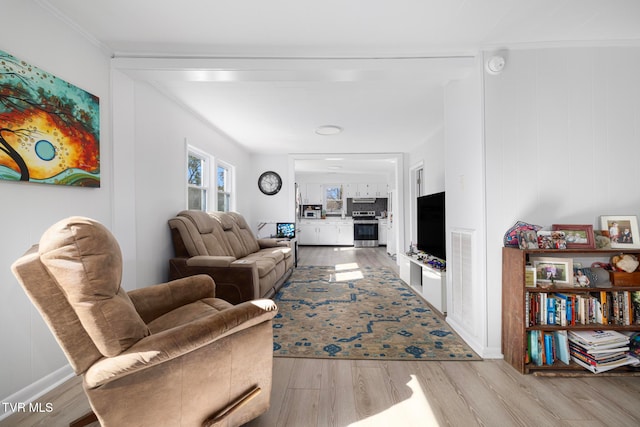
[(365, 229)]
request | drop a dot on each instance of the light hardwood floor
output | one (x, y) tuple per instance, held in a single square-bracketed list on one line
[(322, 392)]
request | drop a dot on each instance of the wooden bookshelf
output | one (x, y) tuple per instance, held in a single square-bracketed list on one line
[(515, 324)]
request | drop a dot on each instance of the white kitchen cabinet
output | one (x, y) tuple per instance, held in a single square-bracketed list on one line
[(345, 234), (325, 232), (367, 190), (382, 190), (307, 234), (382, 231), (351, 190), (311, 194)]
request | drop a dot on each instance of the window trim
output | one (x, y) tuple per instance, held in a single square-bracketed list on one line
[(230, 185), (206, 174)]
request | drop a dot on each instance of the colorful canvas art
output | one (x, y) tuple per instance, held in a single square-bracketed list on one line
[(49, 128)]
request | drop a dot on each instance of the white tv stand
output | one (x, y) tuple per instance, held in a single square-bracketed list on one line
[(429, 283)]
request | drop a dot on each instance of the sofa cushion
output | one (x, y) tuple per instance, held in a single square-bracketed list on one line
[(208, 232), (232, 234), (84, 259), (245, 233)]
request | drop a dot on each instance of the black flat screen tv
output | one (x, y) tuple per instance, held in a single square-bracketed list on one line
[(431, 225)]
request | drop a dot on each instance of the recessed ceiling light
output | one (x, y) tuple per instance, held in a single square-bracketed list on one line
[(334, 167), (328, 130)]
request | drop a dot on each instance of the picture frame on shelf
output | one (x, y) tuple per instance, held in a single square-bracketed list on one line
[(549, 239), (602, 240), (528, 239), (582, 279), (553, 271), (577, 236), (623, 230), (530, 277)]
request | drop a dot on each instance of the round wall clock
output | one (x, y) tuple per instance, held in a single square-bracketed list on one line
[(269, 183)]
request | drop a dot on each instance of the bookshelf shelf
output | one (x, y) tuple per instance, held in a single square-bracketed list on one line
[(515, 314)]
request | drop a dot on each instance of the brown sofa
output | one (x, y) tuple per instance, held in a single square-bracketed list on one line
[(172, 354), (222, 245)]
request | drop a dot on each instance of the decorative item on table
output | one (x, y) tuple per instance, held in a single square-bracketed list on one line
[(512, 236), (602, 239), (625, 271), (577, 236), (623, 230), (551, 240), (435, 263), (553, 271)]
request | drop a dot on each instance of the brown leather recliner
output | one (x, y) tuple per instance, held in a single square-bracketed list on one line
[(169, 354)]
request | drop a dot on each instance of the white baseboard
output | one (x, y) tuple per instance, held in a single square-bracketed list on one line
[(37, 389), (478, 347)]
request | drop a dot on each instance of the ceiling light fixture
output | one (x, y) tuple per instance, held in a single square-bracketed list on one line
[(328, 130)]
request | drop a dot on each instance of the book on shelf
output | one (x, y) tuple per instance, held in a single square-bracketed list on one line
[(562, 346), (599, 350), (548, 348), (598, 338), (598, 369), (621, 308)]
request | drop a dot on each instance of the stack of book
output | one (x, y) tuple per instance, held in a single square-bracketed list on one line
[(545, 347), (599, 351)]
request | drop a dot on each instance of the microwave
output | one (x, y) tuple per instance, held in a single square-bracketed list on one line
[(311, 214)]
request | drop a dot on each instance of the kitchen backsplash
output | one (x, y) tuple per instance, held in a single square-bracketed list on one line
[(380, 205)]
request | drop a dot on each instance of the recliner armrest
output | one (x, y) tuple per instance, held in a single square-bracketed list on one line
[(154, 301), (175, 342)]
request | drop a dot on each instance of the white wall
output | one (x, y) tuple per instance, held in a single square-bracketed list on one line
[(562, 144), (155, 173), (465, 194), (270, 209), (29, 351), (430, 157)]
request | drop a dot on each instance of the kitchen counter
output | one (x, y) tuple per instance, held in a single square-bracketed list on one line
[(332, 220), (329, 232)]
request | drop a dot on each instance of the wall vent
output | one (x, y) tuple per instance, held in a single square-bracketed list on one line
[(460, 267)]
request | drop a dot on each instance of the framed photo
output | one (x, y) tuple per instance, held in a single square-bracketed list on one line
[(528, 239), (577, 236), (602, 239), (530, 277), (623, 230), (556, 271), (551, 240)]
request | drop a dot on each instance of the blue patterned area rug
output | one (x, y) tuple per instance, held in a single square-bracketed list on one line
[(359, 313)]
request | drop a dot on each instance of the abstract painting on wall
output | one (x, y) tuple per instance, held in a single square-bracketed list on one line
[(49, 128)]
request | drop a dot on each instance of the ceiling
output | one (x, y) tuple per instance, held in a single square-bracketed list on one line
[(268, 73)]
